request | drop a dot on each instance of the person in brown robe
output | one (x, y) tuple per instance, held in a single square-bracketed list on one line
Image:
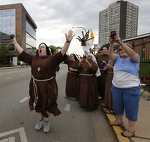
[(43, 87), (108, 85), (88, 92), (102, 60), (72, 80)]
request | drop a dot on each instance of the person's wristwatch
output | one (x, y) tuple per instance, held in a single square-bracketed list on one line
[(68, 41)]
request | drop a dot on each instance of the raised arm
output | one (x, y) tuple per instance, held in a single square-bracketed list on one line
[(131, 53), (69, 37), (17, 46), (111, 55)]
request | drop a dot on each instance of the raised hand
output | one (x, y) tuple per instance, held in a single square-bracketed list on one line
[(17, 46), (70, 36)]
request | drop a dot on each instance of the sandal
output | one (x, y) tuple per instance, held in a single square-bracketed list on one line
[(128, 134), (112, 112), (107, 111), (116, 123)]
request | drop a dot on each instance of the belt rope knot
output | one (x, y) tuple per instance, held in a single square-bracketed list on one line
[(35, 88)]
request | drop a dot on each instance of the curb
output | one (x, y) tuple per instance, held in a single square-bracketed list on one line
[(13, 67), (117, 130)]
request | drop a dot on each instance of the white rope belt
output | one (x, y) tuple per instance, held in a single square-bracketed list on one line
[(35, 88), (86, 74)]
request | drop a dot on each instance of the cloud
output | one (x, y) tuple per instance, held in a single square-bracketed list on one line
[(55, 17)]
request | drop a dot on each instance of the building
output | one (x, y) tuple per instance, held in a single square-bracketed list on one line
[(14, 19), (121, 16), (141, 45)]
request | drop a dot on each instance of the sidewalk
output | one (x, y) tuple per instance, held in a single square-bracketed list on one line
[(142, 128), (13, 67)]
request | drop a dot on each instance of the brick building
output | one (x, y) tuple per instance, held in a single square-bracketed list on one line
[(141, 45), (14, 19)]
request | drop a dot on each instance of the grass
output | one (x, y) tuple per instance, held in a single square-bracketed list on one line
[(6, 66), (144, 68)]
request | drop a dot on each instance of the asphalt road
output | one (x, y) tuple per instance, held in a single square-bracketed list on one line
[(75, 124)]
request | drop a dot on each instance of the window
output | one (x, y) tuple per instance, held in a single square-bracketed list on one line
[(7, 27), (30, 38)]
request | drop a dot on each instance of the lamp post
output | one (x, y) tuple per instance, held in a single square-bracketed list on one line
[(80, 27)]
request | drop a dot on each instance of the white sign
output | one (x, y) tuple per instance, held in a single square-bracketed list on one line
[(14, 61)]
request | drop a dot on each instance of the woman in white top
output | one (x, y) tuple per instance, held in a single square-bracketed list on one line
[(125, 85)]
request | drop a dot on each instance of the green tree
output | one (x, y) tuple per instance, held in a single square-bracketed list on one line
[(55, 49), (108, 44), (105, 45), (4, 55)]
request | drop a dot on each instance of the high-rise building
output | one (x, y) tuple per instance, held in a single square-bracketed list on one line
[(120, 16), (14, 19)]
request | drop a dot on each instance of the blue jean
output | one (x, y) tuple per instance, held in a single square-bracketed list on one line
[(126, 99)]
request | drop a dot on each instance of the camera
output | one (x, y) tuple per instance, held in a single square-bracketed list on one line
[(113, 34), (12, 36), (105, 63)]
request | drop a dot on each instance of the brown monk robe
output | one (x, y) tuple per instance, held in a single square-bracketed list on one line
[(88, 92), (72, 80), (108, 85), (102, 78), (43, 87)]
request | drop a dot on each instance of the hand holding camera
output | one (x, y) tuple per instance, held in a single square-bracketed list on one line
[(113, 34), (71, 69), (114, 37), (12, 36), (105, 63)]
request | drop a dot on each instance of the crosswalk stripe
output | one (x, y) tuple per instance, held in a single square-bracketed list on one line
[(24, 99)]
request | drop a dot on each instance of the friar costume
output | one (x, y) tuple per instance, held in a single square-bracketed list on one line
[(43, 88)]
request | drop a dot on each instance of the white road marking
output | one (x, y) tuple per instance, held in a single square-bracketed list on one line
[(4, 140), (8, 133), (23, 100), (22, 135), (8, 78), (12, 139), (67, 107)]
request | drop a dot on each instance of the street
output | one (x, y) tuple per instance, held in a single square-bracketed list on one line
[(75, 124)]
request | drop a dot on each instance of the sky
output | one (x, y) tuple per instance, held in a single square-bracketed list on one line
[(54, 18)]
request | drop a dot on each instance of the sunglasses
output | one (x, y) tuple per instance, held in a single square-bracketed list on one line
[(121, 49)]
